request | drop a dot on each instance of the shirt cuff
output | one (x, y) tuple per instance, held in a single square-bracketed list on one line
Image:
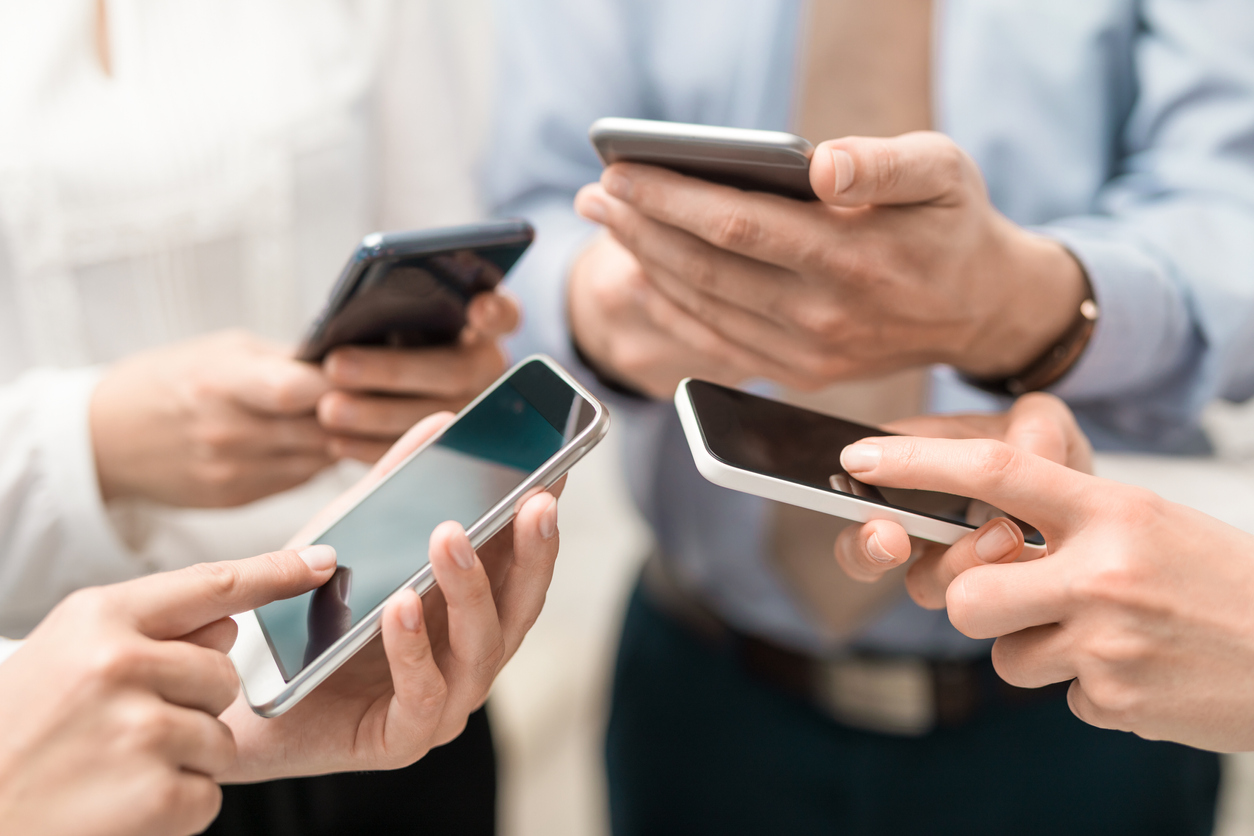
[(7, 648), (1143, 334), (63, 425)]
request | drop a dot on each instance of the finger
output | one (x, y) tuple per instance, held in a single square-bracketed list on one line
[(219, 635), (474, 630), (522, 591), (867, 552), (191, 739), (985, 602), (242, 433), (276, 384), (358, 449), (1085, 708), (492, 315), (961, 425), (1035, 657), (764, 227), (692, 271), (172, 604), (999, 541), (183, 674), (448, 372), (420, 689), (194, 801), (919, 167), (233, 483), (1047, 495), (375, 417), (1043, 425)]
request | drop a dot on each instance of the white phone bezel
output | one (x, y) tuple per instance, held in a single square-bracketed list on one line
[(803, 496), (261, 678)]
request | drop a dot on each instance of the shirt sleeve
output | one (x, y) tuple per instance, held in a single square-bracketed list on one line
[(7, 648), (1169, 248), (55, 534), (566, 64)]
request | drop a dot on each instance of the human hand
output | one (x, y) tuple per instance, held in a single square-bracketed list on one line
[(214, 421), (110, 704), (381, 392), (904, 262), (414, 687), (1037, 423), (1144, 603)]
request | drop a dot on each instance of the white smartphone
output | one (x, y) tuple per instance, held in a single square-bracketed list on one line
[(522, 434), (774, 450), (756, 161)]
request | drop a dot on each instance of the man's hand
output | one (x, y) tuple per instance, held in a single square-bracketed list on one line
[(110, 705), (214, 421), (904, 262), (1144, 603), (414, 687), (382, 392), (1037, 423)]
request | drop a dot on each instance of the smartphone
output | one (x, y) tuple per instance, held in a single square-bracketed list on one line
[(756, 161), (522, 434), (782, 452), (411, 289)]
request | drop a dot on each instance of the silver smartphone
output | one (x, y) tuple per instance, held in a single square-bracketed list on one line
[(782, 452), (756, 161), (523, 433)]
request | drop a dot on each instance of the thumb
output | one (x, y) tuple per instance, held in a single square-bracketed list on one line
[(919, 167), (172, 604)]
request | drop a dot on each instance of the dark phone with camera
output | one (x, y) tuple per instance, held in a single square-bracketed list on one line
[(411, 289)]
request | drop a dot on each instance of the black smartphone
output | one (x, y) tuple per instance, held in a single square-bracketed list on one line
[(756, 161), (411, 289)]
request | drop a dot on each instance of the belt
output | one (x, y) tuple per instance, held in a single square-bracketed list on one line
[(905, 696)]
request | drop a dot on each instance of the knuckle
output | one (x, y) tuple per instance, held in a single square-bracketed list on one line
[(992, 461), (116, 662), (218, 473), (823, 322), (736, 229), (221, 581)]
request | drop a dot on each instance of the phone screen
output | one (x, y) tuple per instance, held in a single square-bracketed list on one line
[(777, 439), (478, 461)]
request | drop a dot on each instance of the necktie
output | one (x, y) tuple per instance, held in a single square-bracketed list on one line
[(865, 71)]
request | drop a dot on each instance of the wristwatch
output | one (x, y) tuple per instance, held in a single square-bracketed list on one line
[(1050, 367)]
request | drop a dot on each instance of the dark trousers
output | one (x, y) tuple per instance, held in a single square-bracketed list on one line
[(697, 746), (451, 790)]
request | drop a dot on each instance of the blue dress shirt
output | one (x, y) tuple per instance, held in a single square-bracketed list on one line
[(1122, 128)]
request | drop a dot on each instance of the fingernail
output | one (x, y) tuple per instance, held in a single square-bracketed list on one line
[(877, 550), (409, 611), (859, 458), (617, 184), (593, 209), (463, 554), (996, 543), (842, 165), (548, 521), (319, 558)]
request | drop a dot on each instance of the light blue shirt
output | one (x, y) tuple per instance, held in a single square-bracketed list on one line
[(1123, 129)]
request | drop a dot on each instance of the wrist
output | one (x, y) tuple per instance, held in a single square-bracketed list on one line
[(1045, 287)]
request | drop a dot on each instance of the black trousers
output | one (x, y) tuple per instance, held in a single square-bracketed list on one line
[(696, 746), (451, 790)]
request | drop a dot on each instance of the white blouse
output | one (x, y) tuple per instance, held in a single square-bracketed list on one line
[(218, 176)]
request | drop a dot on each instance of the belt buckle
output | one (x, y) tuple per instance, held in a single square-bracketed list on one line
[(889, 696)]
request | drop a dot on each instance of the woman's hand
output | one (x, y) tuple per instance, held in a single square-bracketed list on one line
[(1145, 604), (379, 393), (110, 706), (1037, 423), (214, 421), (414, 687)]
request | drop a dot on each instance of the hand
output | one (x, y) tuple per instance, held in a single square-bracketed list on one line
[(214, 421), (110, 722), (904, 262), (1144, 603), (1037, 423), (382, 392), (414, 688)]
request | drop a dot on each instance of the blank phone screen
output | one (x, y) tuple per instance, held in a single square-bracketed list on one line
[(478, 461), (763, 436)]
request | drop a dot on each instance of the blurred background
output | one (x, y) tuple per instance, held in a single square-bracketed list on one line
[(429, 83)]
